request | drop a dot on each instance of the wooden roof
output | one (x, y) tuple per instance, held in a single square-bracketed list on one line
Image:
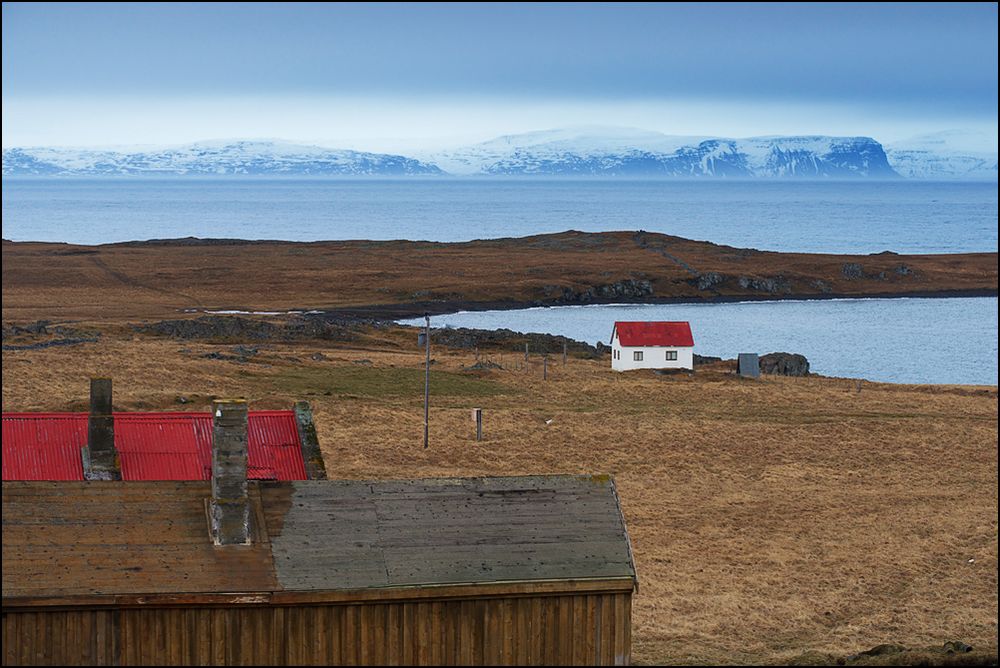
[(142, 542)]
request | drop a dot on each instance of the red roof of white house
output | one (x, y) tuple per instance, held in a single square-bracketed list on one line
[(676, 334)]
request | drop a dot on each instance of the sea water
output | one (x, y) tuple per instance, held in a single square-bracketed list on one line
[(908, 340), (807, 216)]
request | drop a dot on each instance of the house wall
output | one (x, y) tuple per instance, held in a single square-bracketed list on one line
[(582, 628), (653, 357)]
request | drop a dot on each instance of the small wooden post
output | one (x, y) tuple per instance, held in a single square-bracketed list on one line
[(564, 353), (477, 417), (859, 386), (525, 351), (545, 368)]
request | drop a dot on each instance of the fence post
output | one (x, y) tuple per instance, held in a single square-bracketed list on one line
[(477, 416)]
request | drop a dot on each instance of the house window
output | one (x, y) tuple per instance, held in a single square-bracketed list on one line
[(671, 355), (637, 356)]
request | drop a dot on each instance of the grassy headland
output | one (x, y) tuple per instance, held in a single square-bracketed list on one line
[(398, 278)]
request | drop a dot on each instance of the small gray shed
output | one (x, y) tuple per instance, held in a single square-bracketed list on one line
[(748, 365)]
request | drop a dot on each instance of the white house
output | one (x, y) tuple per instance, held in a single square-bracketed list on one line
[(652, 345)]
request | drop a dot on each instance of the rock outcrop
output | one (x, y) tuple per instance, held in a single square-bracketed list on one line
[(629, 288), (546, 344), (234, 328), (784, 364)]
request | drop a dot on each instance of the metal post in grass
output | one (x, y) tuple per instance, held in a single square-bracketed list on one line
[(427, 376)]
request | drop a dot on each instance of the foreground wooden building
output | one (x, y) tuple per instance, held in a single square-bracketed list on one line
[(528, 570)]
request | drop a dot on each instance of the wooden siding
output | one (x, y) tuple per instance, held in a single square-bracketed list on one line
[(61, 638), (577, 629)]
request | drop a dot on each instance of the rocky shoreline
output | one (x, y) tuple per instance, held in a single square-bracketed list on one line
[(404, 311)]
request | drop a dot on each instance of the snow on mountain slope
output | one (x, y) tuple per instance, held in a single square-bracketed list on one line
[(205, 158), (590, 150), (626, 151), (952, 154), (564, 145)]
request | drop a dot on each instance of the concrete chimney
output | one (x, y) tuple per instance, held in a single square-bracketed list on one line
[(311, 454), (101, 459), (230, 508)]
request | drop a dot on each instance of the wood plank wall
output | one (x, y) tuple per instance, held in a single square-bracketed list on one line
[(581, 629)]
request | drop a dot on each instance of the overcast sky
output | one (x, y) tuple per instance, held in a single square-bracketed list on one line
[(405, 77)]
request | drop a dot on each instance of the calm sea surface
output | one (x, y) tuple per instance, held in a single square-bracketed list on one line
[(832, 216), (893, 340)]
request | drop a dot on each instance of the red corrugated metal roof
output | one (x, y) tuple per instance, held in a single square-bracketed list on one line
[(151, 446), (653, 334), (43, 446)]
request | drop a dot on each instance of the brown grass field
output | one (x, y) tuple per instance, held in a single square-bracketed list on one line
[(771, 520), (158, 279)]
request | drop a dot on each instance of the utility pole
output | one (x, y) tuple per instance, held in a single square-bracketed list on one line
[(427, 376)]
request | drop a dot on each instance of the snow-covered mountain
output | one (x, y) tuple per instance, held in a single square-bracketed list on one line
[(205, 158), (592, 150), (624, 151), (952, 154)]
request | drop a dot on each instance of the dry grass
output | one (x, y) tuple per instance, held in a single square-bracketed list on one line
[(769, 519), (157, 280)]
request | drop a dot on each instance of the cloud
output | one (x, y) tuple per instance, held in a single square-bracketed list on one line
[(413, 123)]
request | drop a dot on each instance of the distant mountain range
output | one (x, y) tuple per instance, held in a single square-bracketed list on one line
[(944, 155), (211, 158), (592, 151), (638, 153)]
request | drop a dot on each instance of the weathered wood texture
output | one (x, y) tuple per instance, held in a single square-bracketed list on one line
[(92, 538), (61, 638), (430, 532), (526, 570), (583, 629), (111, 539)]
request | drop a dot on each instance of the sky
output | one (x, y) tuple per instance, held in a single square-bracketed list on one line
[(403, 77)]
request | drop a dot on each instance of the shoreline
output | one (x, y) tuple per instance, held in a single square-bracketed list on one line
[(407, 311)]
